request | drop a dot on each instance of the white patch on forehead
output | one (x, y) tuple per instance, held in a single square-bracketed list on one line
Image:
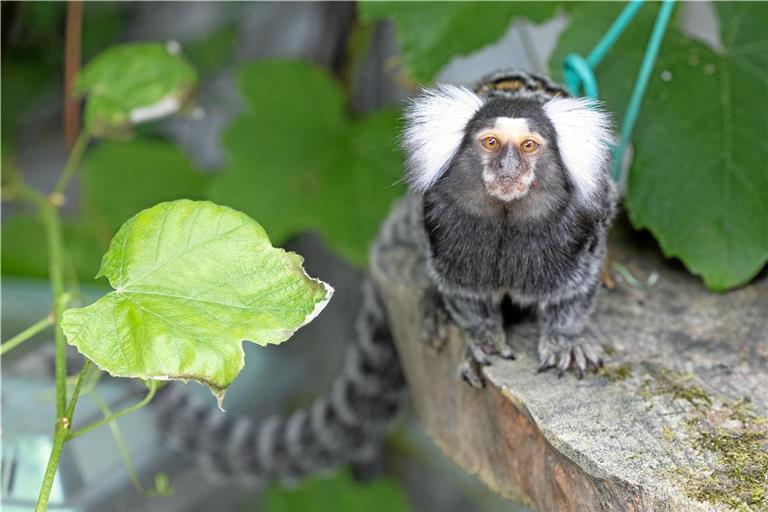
[(511, 127)]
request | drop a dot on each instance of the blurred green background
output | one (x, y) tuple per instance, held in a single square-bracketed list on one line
[(294, 120)]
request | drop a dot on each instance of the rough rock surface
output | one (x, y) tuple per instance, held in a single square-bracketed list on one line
[(664, 426)]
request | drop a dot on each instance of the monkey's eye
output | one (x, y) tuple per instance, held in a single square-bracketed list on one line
[(529, 146), (491, 143)]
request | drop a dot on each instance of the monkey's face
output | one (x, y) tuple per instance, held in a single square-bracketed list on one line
[(508, 150), (509, 155)]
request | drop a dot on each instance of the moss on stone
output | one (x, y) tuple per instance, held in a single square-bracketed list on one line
[(738, 439), (667, 433), (678, 386), (616, 372), (730, 432)]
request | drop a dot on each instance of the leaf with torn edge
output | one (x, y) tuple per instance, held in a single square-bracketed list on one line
[(192, 280), (134, 83)]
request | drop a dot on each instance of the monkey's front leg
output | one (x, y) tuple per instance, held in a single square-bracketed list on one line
[(567, 339), (483, 326)]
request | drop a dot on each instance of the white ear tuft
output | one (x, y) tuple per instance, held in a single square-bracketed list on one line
[(584, 138), (434, 128)]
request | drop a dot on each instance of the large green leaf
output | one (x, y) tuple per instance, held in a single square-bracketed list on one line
[(122, 178), (192, 280), (132, 83), (432, 33), (340, 494), (699, 179), (296, 162)]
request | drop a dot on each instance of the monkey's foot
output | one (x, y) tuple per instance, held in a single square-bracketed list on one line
[(565, 352), (477, 353)]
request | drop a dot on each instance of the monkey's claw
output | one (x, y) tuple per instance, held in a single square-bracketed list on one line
[(470, 373), (564, 352), (477, 353)]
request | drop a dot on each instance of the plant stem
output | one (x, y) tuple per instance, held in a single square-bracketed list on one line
[(76, 392), (70, 168), (49, 209), (52, 225), (28, 193), (122, 412), (59, 438), (72, 43), (26, 334), (121, 447), (95, 377), (125, 453)]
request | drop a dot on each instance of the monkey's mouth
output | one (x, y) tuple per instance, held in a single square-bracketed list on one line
[(509, 190)]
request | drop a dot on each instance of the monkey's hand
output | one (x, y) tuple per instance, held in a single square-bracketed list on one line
[(579, 352), (480, 344), (482, 324), (568, 340), (435, 320)]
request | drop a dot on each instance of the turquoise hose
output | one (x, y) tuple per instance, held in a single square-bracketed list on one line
[(641, 84), (580, 75)]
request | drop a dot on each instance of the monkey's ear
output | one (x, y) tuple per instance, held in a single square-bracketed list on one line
[(584, 138), (435, 122)]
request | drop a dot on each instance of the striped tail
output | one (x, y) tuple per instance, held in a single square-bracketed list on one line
[(346, 426)]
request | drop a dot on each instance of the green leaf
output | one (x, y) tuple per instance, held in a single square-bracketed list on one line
[(192, 281), (699, 178), (296, 162), (133, 83), (122, 178), (340, 494), (432, 33)]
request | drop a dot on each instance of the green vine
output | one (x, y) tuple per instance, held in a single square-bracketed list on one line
[(202, 238)]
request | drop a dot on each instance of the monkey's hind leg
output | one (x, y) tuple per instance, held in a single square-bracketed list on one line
[(484, 336), (567, 339)]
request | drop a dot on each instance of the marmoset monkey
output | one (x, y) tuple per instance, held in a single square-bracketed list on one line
[(516, 201), (511, 196)]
